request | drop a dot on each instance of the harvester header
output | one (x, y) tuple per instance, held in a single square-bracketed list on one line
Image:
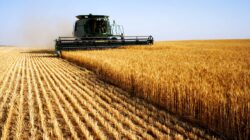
[(96, 32)]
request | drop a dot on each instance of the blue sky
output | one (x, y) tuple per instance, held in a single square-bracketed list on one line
[(39, 22)]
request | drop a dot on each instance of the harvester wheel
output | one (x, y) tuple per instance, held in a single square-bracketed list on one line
[(58, 54)]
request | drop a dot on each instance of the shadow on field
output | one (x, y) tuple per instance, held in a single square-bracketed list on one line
[(45, 53), (42, 51), (43, 56)]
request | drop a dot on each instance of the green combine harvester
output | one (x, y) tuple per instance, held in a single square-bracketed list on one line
[(96, 32)]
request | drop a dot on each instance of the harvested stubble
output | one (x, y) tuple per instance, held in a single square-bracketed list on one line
[(207, 82), (43, 97)]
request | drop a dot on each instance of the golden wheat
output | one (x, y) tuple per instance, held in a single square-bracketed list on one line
[(43, 97), (206, 82)]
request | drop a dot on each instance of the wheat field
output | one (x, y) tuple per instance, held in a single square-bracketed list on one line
[(206, 82), (45, 97)]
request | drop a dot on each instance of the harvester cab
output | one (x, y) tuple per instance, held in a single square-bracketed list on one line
[(96, 32)]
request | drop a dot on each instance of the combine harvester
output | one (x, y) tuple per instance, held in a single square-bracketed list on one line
[(96, 32)]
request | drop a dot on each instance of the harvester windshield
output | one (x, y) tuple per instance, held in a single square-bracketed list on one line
[(96, 26), (92, 26)]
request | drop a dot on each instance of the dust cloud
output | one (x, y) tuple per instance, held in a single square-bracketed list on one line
[(42, 31)]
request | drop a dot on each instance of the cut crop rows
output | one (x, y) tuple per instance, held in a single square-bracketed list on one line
[(44, 97)]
